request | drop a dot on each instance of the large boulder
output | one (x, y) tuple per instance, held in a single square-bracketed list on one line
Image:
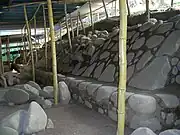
[(64, 94), (15, 121), (8, 131), (17, 96), (36, 119)]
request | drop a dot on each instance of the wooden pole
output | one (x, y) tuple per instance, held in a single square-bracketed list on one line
[(30, 42), (67, 26), (105, 9), (35, 38), (82, 25), (8, 52), (53, 47), (77, 32), (45, 37), (147, 11), (1, 61), (91, 16), (72, 30), (122, 66)]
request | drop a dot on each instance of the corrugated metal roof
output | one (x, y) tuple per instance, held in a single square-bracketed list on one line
[(12, 13)]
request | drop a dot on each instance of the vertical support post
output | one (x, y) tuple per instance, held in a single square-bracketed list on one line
[(1, 61), (30, 42), (25, 43), (45, 37), (91, 16), (105, 9), (35, 38), (77, 32), (72, 30), (53, 47), (82, 25), (115, 7), (67, 26), (172, 3), (147, 11), (122, 66), (8, 52), (24, 55), (60, 31), (129, 12)]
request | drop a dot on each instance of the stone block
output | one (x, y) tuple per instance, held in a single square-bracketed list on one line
[(154, 76), (142, 104), (169, 101), (104, 92), (143, 131), (143, 121)]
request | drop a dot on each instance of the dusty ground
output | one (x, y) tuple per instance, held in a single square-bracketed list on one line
[(72, 120)]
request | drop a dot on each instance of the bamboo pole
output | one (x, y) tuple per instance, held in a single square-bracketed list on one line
[(72, 30), (35, 38), (67, 26), (122, 66), (25, 43), (30, 42), (77, 32), (82, 25), (8, 52), (24, 55), (115, 7), (129, 12), (147, 11), (1, 61), (105, 9), (60, 31), (45, 37), (53, 47), (91, 16), (172, 3)]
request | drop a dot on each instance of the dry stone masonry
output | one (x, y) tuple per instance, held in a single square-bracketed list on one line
[(91, 73)]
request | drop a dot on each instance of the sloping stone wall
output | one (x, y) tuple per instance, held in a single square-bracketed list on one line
[(152, 55)]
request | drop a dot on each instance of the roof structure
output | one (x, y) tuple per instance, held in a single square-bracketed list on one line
[(12, 12)]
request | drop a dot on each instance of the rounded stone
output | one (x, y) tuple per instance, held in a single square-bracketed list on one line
[(178, 79), (174, 71), (8, 131), (146, 26), (170, 101), (34, 84), (174, 61), (16, 96), (108, 74), (138, 43), (170, 132), (143, 131), (104, 55), (144, 121), (142, 104), (130, 56), (154, 41), (165, 27)]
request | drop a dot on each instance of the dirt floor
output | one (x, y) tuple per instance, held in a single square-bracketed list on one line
[(72, 119)]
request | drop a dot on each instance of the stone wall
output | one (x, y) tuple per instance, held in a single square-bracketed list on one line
[(152, 51), (91, 72)]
